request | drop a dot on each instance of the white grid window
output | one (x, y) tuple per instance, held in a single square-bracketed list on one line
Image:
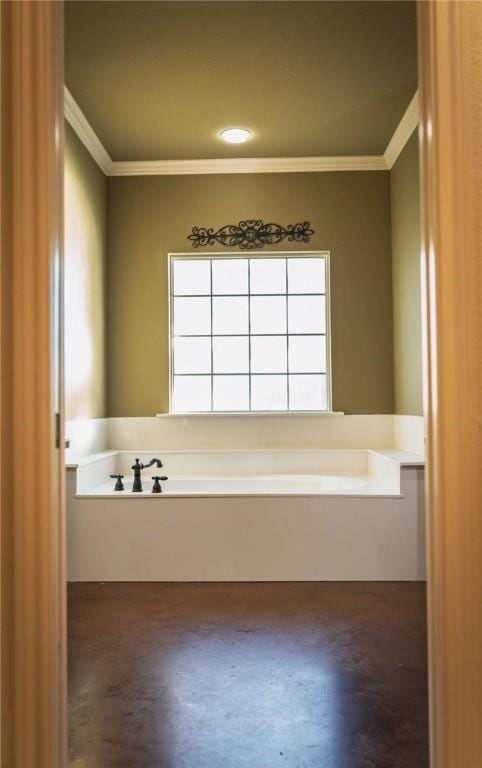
[(249, 333)]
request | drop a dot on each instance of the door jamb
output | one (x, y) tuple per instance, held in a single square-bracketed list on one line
[(450, 73), (33, 608)]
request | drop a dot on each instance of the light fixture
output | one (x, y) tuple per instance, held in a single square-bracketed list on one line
[(235, 135)]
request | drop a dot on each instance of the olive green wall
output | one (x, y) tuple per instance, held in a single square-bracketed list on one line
[(85, 252), (407, 339), (150, 216)]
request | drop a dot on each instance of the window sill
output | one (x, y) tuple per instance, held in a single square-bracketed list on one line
[(250, 414)]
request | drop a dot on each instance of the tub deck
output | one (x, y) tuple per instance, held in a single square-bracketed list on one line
[(304, 515), (252, 485)]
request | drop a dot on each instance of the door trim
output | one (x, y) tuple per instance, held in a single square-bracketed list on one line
[(31, 464), (450, 39)]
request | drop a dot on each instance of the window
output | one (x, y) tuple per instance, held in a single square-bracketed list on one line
[(249, 333)]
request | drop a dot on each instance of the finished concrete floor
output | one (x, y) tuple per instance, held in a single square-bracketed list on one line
[(273, 675)]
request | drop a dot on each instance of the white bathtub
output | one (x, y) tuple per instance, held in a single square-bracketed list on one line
[(248, 516), (249, 485)]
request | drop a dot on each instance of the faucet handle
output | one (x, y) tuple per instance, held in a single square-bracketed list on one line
[(156, 488), (119, 486)]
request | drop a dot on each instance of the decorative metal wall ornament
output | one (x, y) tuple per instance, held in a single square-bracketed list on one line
[(250, 234)]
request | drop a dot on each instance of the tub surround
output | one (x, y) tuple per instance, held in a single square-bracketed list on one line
[(258, 472), (249, 498), (86, 437), (221, 431), (301, 484), (252, 515), (409, 433), (246, 431)]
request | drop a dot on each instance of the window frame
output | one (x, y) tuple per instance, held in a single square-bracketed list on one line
[(212, 255)]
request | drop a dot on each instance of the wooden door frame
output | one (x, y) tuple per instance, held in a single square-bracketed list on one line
[(450, 68), (32, 607)]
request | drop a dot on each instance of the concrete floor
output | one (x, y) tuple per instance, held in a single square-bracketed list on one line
[(292, 675)]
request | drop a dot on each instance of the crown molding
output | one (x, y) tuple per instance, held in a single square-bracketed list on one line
[(402, 133), (85, 132), (248, 165)]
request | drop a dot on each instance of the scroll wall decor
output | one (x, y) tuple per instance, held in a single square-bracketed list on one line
[(250, 234)]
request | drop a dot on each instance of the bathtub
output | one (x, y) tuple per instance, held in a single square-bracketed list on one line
[(248, 485), (246, 515)]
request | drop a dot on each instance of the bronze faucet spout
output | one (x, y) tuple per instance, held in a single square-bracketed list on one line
[(138, 467)]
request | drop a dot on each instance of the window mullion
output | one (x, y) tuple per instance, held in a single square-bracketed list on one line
[(267, 313)]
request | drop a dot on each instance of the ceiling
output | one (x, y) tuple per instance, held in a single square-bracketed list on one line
[(158, 80)]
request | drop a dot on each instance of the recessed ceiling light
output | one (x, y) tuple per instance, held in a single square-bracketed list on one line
[(235, 135)]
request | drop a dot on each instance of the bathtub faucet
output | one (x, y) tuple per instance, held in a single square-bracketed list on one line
[(138, 467)]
